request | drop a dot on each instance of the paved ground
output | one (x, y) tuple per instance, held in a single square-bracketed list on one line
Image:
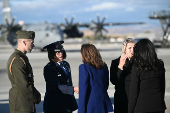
[(39, 59)]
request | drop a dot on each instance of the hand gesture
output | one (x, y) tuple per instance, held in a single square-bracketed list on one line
[(76, 89), (122, 60)]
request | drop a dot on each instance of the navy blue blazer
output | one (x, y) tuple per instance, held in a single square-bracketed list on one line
[(59, 90), (93, 85), (147, 90)]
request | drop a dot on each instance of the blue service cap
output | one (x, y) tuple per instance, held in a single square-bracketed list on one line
[(55, 46)]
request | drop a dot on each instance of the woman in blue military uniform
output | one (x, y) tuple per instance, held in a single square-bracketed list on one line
[(59, 96)]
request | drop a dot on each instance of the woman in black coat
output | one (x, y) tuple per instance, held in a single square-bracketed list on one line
[(59, 95), (147, 87), (120, 74)]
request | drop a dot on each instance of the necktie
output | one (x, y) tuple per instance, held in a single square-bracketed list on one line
[(64, 67)]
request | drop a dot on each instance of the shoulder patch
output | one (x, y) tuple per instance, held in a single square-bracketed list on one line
[(23, 60), (11, 65)]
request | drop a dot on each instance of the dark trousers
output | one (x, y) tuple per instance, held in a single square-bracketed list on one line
[(58, 112), (120, 107)]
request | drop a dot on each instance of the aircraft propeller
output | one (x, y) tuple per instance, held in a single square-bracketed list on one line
[(70, 28), (70, 25), (99, 26), (10, 27), (9, 31)]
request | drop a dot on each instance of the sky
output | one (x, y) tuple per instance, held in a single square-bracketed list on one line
[(36, 11)]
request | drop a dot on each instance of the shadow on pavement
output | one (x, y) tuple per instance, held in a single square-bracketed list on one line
[(4, 107)]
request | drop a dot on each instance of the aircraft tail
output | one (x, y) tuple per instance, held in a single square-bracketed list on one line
[(8, 28), (6, 12)]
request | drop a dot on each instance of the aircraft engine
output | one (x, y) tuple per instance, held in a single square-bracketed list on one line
[(98, 26), (71, 29), (9, 30)]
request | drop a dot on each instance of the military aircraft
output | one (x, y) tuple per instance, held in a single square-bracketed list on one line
[(45, 33), (49, 32)]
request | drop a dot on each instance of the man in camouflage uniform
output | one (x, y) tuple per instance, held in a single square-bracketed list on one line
[(23, 95)]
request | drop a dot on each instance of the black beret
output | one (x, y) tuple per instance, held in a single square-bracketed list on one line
[(25, 34), (55, 46)]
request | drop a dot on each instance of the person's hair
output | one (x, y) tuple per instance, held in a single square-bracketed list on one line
[(126, 41), (52, 55), (145, 57), (91, 56), (20, 40)]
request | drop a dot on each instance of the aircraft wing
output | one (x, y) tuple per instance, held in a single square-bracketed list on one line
[(109, 24), (113, 24), (83, 24), (98, 27)]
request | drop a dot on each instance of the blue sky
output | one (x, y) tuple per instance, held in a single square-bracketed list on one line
[(35, 11)]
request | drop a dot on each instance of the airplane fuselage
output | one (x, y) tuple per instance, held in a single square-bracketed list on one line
[(45, 33)]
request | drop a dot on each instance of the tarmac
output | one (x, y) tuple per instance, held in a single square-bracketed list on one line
[(39, 59)]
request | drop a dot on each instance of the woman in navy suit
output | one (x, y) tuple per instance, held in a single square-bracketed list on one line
[(59, 95), (147, 88), (93, 82)]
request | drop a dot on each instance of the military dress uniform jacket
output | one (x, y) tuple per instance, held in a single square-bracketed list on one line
[(23, 95), (59, 95), (93, 85)]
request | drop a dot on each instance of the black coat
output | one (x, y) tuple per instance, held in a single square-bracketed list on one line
[(59, 95), (121, 79), (147, 91)]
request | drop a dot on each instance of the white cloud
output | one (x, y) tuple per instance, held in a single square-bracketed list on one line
[(104, 6), (44, 5), (32, 5), (129, 9)]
